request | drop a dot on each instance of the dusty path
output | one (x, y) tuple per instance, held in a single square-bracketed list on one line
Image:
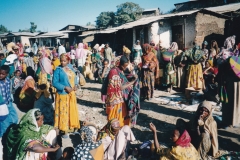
[(90, 108)]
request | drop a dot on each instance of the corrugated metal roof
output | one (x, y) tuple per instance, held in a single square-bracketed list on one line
[(23, 34), (106, 31), (152, 9), (225, 8)]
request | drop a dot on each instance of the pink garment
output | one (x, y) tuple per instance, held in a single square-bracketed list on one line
[(114, 148), (80, 52), (46, 65)]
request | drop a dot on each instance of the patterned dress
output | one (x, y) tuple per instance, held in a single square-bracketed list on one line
[(66, 113)]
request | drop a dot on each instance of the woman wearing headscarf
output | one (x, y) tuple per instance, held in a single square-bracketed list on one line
[(115, 139), (65, 81), (169, 71), (44, 73), (203, 130), (149, 72), (27, 94), (194, 57), (31, 139), (122, 99), (81, 56), (182, 149), (89, 148), (137, 52), (181, 70)]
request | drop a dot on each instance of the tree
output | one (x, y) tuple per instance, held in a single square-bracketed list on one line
[(3, 29), (128, 12), (105, 19)]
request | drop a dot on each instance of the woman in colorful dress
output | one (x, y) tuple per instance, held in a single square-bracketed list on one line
[(31, 139), (182, 149), (194, 57), (150, 72), (80, 56), (169, 75), (137, 53), (122, 99), (65, 81)]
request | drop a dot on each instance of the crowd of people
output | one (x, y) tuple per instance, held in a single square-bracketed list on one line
[(36, 79)]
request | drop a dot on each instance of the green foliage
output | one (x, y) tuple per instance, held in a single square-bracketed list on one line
[(3, 29), (126, 12), (105, 19)]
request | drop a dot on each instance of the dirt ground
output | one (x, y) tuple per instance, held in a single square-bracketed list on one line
[(90, 108)]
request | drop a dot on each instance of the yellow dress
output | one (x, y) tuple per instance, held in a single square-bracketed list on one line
[(195, 76), (178, 153), (66, 112)]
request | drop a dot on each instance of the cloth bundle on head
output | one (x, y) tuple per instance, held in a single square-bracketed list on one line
[(126, 50), (10, 59), (174, 46), (167, 54), (230, 42), (80, 52), (96, 47), (100, 48)]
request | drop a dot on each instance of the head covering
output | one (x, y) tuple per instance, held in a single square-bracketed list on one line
[(184, 140), (46, 65), (137, 41), (80, 52), (96, 46), (107, 130), (55, 54), (126, 50), (205, 43), (85, 46), (65, 55), (71, 47), (86, 134), (206, 104), (152, 43), (146, 48)]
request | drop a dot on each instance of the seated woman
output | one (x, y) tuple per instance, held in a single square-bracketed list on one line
[(31, 139), (182, 148), (115, 139), (203, 130), (89, 148)]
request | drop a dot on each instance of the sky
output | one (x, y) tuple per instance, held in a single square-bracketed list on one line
[(53, 15)]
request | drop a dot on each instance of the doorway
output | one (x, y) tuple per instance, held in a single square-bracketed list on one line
[(177, 36)]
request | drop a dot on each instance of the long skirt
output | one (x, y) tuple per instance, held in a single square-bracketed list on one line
[(169, 78), (195, 76), (147, 83), (181, 73), (119, 111), (66, 112)]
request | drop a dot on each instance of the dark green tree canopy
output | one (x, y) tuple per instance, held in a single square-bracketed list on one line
[(126, 12), (105, 19), (3, 29)]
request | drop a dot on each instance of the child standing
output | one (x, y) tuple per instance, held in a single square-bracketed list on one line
[(5, 92)]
